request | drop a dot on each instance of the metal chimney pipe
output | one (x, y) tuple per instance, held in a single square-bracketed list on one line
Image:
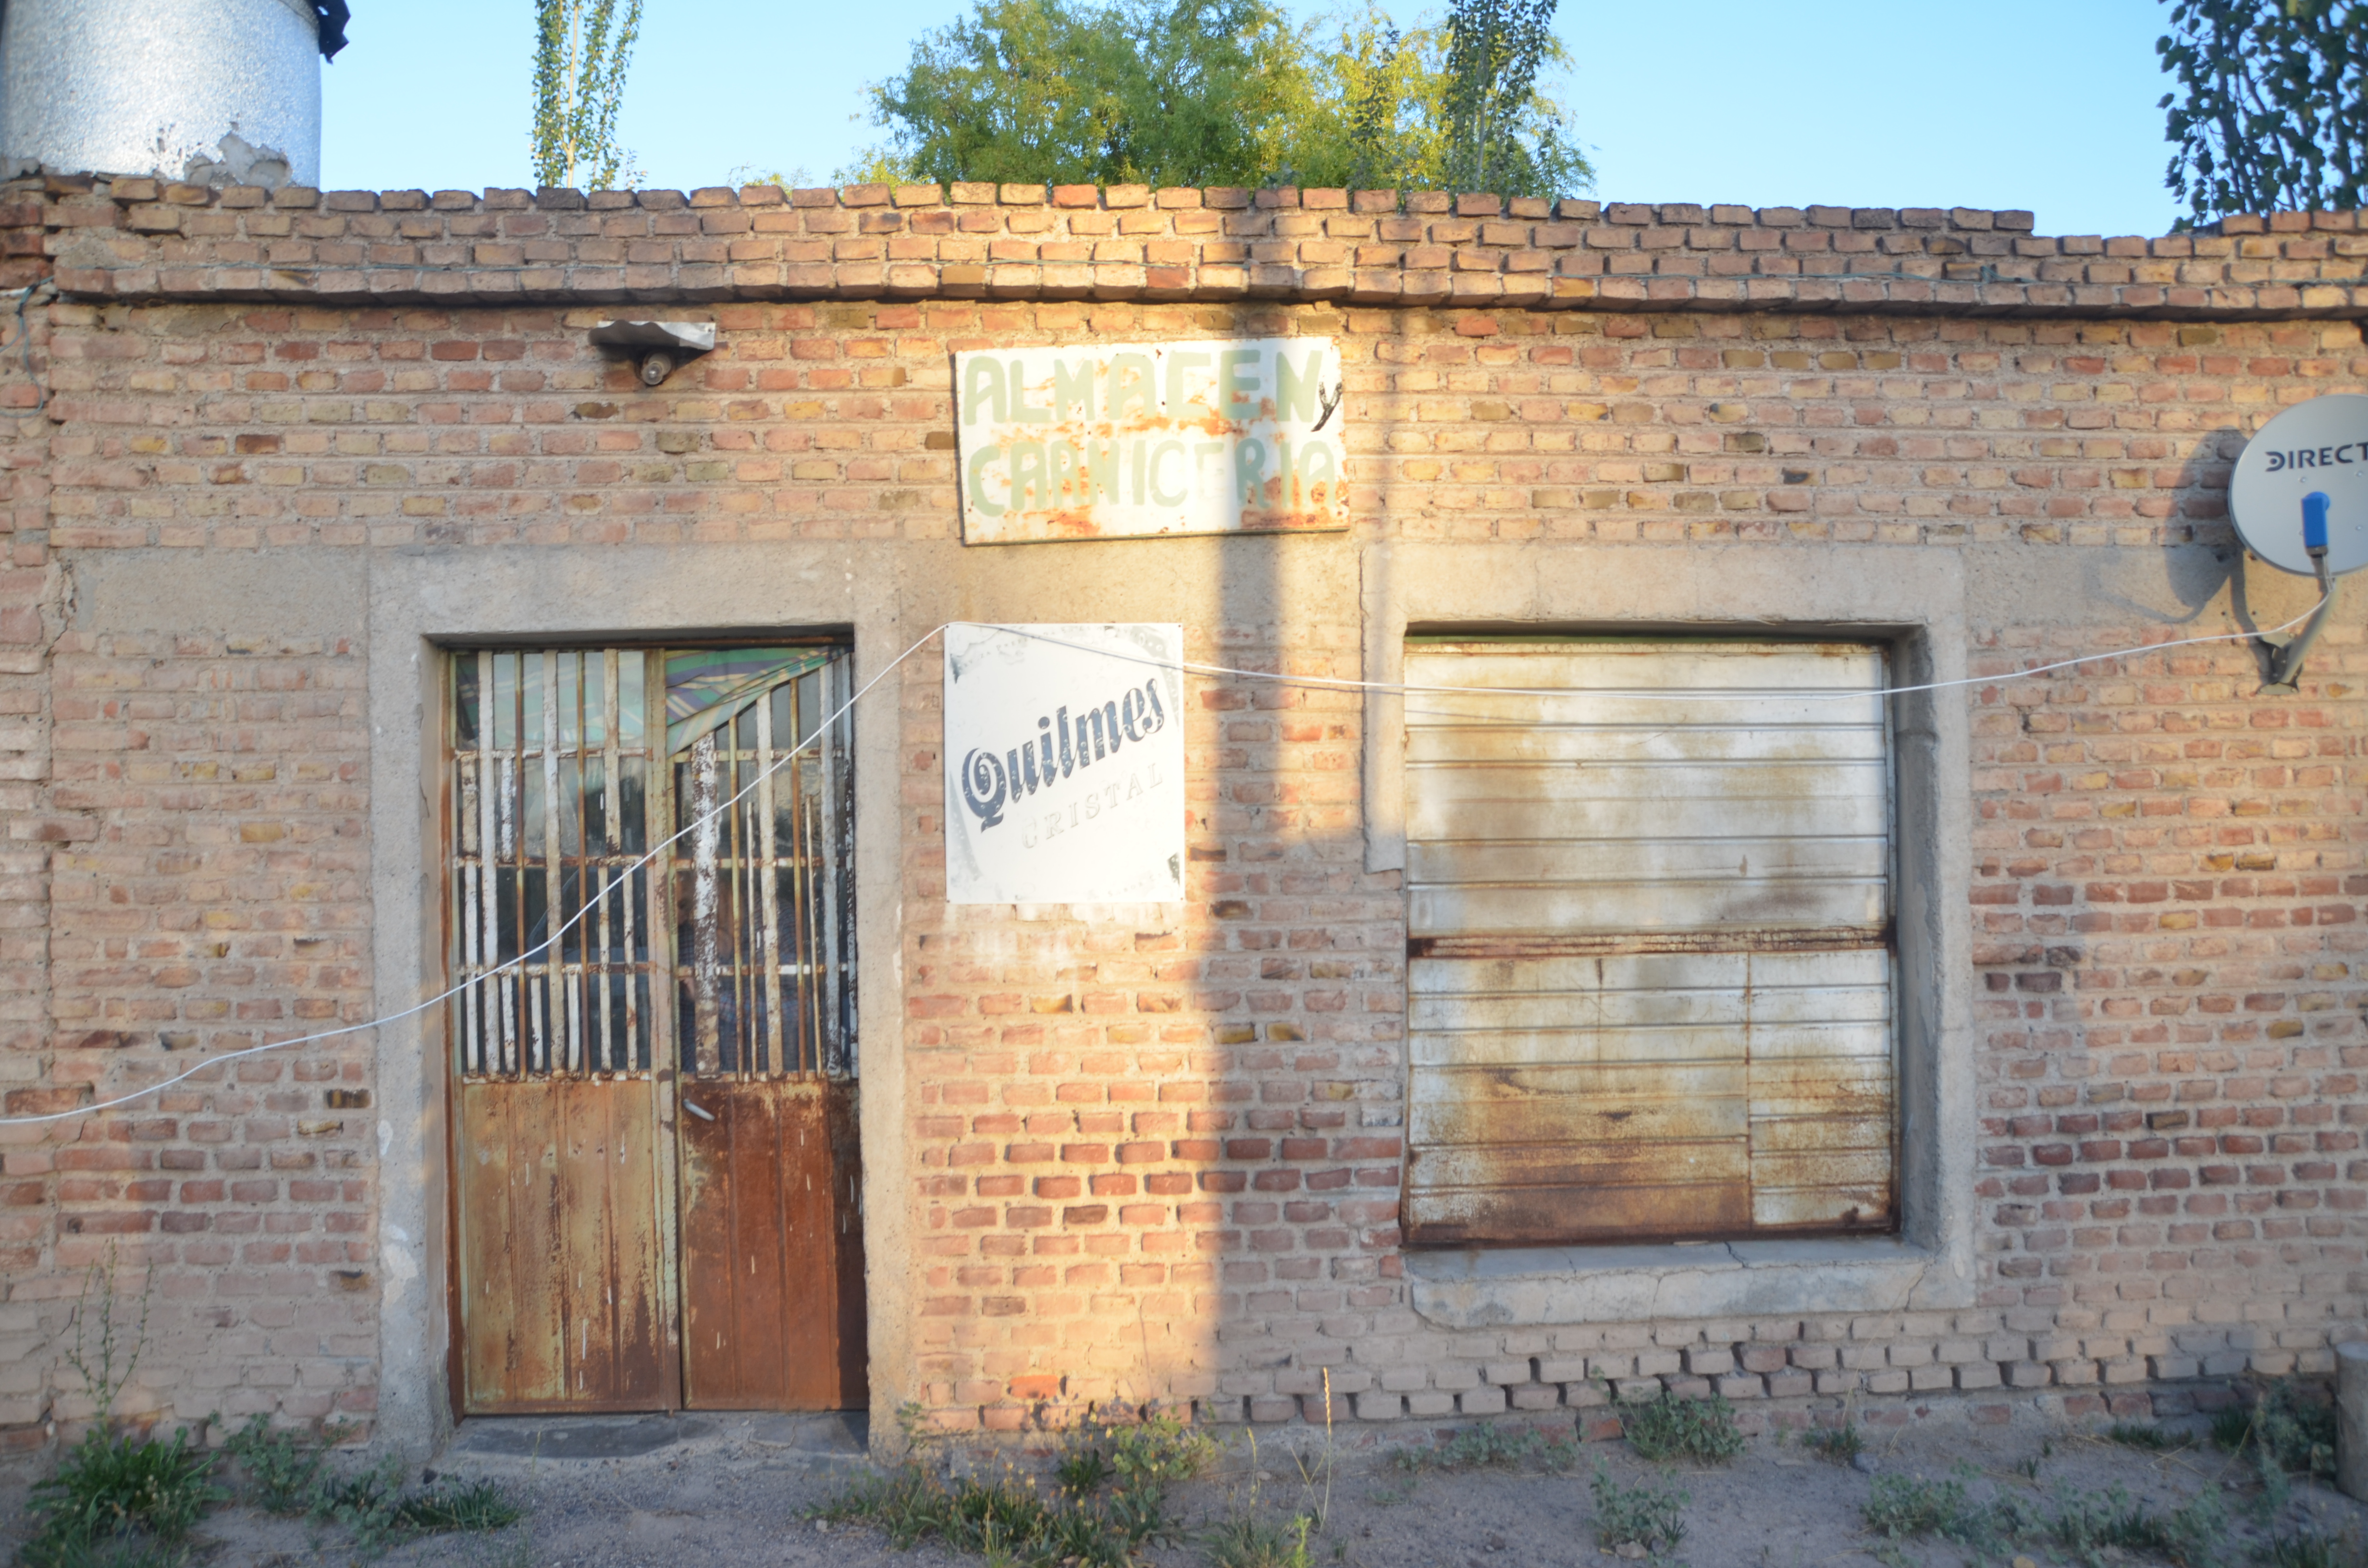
[(214, 92)]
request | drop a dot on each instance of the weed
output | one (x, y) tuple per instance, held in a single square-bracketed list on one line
[(1110, 1497), (1683, 1428), (1488, 1447), (2136, 1435), (478, 1505), (2231, 1426), (1246, 1540), (2285, 1434), (2313, 1549), (1840, 1444), (1162, 1451), (103, 1381), (2086, 1523), (281, 1468), (1649, 1516), (113, 1496), (288, 1473), (1905, 1507), (1082, 1471)]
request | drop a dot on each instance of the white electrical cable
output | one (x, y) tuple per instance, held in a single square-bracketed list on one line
[(1322, 681), (542, 946), (1343, 683)]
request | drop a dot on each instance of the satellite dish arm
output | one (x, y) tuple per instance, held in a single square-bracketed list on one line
[(2286, 663)]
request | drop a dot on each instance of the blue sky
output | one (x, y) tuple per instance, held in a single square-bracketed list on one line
[(2048, 104)]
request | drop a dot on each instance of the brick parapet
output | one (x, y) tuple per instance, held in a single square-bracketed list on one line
[(146, 239)]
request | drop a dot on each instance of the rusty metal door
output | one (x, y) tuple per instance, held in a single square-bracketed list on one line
[(1649, 940), (772, 1236), (657, 1174), (564, 1274)]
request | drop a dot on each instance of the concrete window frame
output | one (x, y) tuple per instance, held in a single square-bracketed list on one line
[(1911, 598)]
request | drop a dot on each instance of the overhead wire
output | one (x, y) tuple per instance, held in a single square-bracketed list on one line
[(623, 873), (1190, 667)]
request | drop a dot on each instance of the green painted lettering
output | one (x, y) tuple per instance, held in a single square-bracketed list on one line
[(1021, 413), (1178, 362), (982, 379), (1029, 490), (978, 461), (1073, 386), (1296, 391)]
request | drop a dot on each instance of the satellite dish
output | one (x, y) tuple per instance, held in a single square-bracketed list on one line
[(2315, 447)]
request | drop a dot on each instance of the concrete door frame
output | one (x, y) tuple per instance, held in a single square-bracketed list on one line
[(419, 602)]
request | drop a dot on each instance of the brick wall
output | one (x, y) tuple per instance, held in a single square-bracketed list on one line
[(1160, 1158)]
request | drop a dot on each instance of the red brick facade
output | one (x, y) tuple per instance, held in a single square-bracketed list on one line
[(1161, 1159)]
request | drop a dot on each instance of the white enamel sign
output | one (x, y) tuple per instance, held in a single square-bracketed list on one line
[(1123, 440), (2320, 445), (1064, 765)]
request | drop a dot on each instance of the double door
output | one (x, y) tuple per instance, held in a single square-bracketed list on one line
[(650, 922)]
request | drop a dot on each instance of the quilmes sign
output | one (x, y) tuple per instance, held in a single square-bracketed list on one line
[(1065, 766), (1122, 441)]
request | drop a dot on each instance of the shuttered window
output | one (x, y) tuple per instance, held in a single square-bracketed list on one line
[(1650, 942)]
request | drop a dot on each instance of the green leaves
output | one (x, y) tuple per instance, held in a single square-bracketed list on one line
[(2267, 116), (581, 49), (1136, 91), (1498, 137), (1227, 92)]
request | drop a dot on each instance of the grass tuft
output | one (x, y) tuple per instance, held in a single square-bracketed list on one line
[(1109, 1499), (2313, 1549), (1840, 1444), (121, 1499), (2082, 1524), (1683, 1428), (1493, 1448), (288, 1471), (1247, 1540), (478, 1505), (2143, 1434)]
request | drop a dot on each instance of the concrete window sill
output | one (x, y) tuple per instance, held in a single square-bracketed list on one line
[(1524, 1287)]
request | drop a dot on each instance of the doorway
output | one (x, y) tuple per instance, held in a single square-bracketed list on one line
[(650, 921)]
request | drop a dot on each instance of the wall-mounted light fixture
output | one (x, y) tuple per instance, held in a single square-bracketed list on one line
[(658, 347)]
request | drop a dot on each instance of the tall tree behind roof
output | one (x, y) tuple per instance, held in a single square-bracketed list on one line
[(2267, 115), (581, 52), (1226, 92), (1185, 92)]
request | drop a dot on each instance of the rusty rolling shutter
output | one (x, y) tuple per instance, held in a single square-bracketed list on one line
[(1649, 942)]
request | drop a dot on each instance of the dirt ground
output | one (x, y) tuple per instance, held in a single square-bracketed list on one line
[(725, 1492)]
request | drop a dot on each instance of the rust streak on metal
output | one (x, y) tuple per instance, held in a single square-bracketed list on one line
[(1648, 947)]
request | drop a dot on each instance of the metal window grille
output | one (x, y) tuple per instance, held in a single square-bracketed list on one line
[(764, 888), (550, 765)]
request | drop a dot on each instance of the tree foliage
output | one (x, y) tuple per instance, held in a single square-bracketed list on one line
[(582, 49), (1227, 92), (2267, 116)]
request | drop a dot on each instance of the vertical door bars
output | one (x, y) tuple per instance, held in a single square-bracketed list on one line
[(551, 761), (763, 896)]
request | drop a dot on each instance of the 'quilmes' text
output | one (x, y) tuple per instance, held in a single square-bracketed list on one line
[(1057, 750)]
